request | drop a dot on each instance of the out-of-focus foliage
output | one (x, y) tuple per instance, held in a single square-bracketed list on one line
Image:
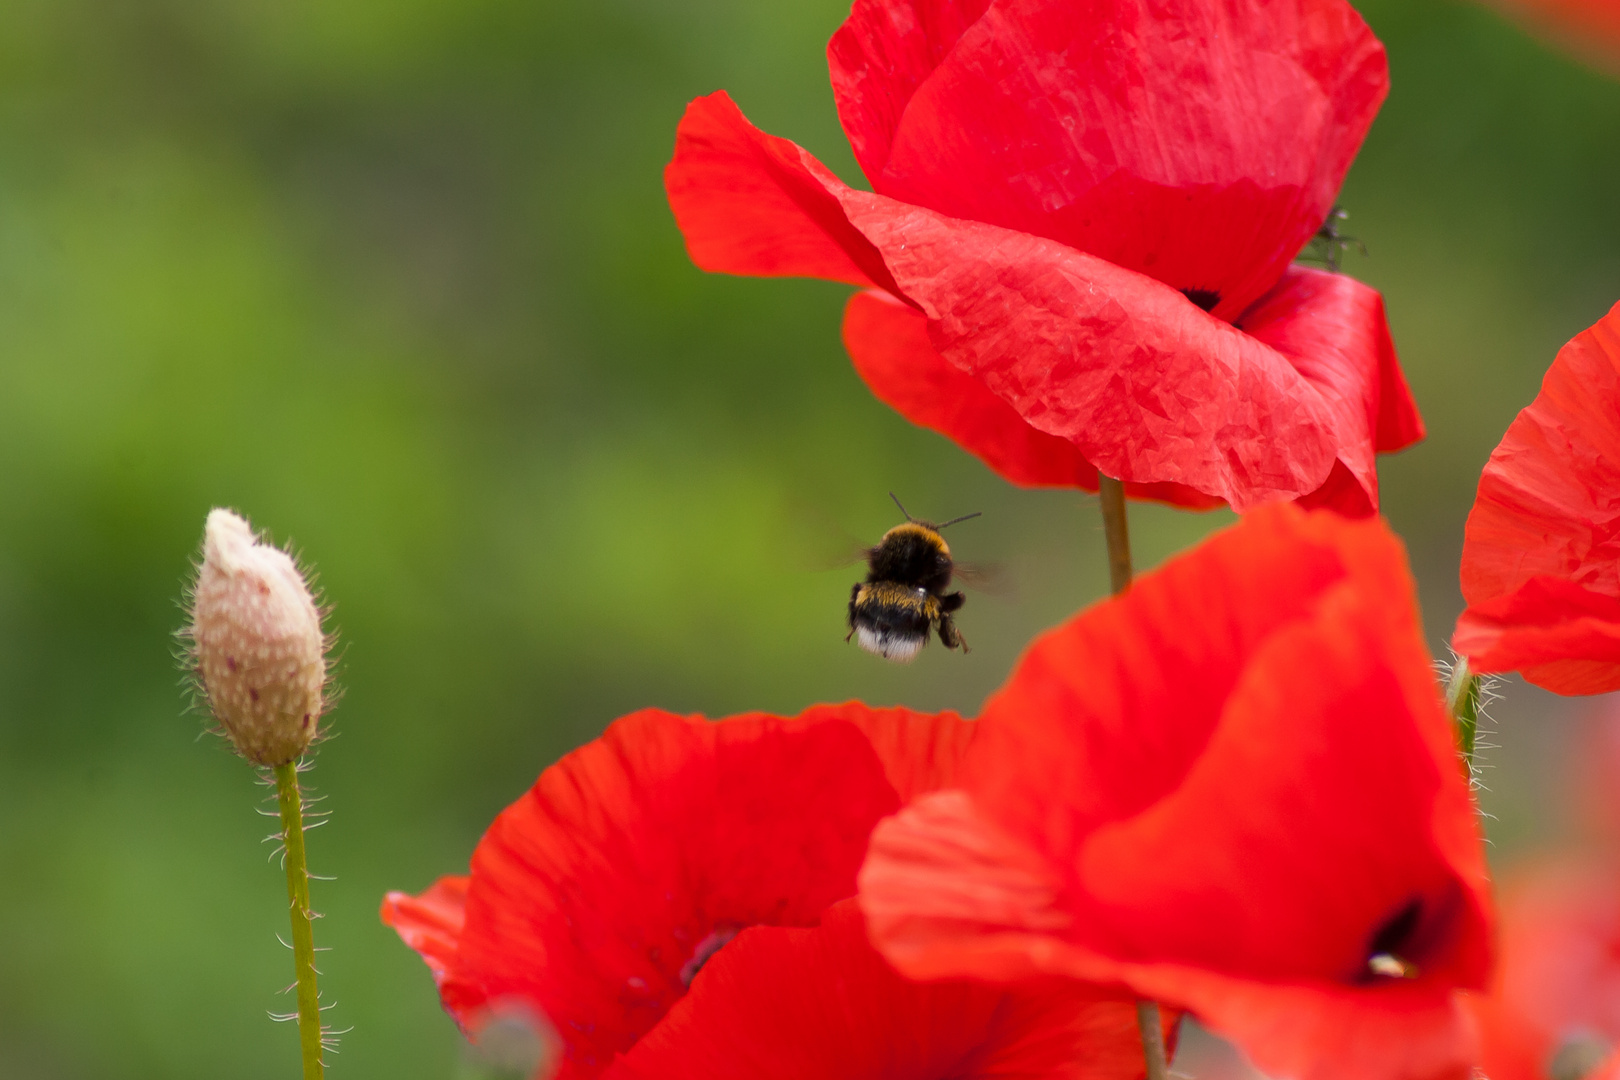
[(398, 281)]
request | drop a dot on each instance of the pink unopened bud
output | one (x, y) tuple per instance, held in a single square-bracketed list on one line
[(257, 643)]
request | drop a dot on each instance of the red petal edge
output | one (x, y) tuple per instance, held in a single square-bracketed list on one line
[(1562, 637), (430, 923), (888, 342), (1145, 385), (1101, 836), (878, 58), (1129, 372), (752, 204), (1541, 554), (593, 896)]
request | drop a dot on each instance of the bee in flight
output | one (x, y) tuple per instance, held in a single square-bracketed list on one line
[(903, 596)]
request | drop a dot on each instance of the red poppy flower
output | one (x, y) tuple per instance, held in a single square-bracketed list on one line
[(431, 923), (1541, 557), (821, 1004), (598, 896), (1590, 28), (1556, 993), (1553, 1011), (1232, 789), (1079, 236)]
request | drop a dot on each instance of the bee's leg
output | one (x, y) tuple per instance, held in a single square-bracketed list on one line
[(854, 594), (949, 635), (951, 602)]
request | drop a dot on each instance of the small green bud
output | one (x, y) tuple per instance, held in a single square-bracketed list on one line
[(256, 643)]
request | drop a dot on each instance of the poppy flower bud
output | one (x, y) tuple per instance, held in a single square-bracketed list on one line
[(256, 643)]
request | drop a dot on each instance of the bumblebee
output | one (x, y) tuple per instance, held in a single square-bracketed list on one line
[(903, 596)]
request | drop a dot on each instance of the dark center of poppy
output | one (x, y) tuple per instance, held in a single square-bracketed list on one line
[(706, 949), (1204, 298), (1390, 952)]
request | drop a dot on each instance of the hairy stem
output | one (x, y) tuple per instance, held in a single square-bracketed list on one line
[(1111, 495), (1462, 702), (1147, 1019), (303, 935)]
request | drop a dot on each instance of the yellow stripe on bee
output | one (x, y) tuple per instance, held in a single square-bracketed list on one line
[(900, 596)]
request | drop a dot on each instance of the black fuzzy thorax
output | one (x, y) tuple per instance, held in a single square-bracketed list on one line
[(913, 555)]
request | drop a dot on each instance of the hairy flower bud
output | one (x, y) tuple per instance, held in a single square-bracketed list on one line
[(256, 643)]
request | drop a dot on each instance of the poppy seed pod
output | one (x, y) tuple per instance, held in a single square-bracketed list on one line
[(256, 643)]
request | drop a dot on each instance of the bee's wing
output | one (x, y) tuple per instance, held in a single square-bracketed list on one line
[(852, 554), (816, 543), (990, 579)]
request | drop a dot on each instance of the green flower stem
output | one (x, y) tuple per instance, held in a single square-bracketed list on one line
[(1462, 702), (1111, 495), (303, 935), (1147, 1019)]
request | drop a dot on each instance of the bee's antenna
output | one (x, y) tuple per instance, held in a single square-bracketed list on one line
[(896, 499), (964, 517)]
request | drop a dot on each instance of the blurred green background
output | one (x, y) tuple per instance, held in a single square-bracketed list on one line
[(397, 280)]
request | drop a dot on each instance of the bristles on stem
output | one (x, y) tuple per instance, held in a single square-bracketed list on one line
[(303, 935)]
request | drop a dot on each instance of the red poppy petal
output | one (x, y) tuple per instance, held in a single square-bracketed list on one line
[(1561, 636), (750, 203), (888, 342), (1117, 368), (1333, 330), (1106, 836), (949, 893), (1144, 384), (1509, 1049), (790, 1004), (1201, 143), (596, 896), (1548, 508), (1397, 1030), (1549, 498), (1342, 493), (878, 58), (1559, 976), (430, 923), (919, 752)]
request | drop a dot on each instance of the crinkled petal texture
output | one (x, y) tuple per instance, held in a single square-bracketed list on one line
[(1048, 362), (597, 896), (1230, 789), (1198, 142), (1541, 557), (821, 1004)]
